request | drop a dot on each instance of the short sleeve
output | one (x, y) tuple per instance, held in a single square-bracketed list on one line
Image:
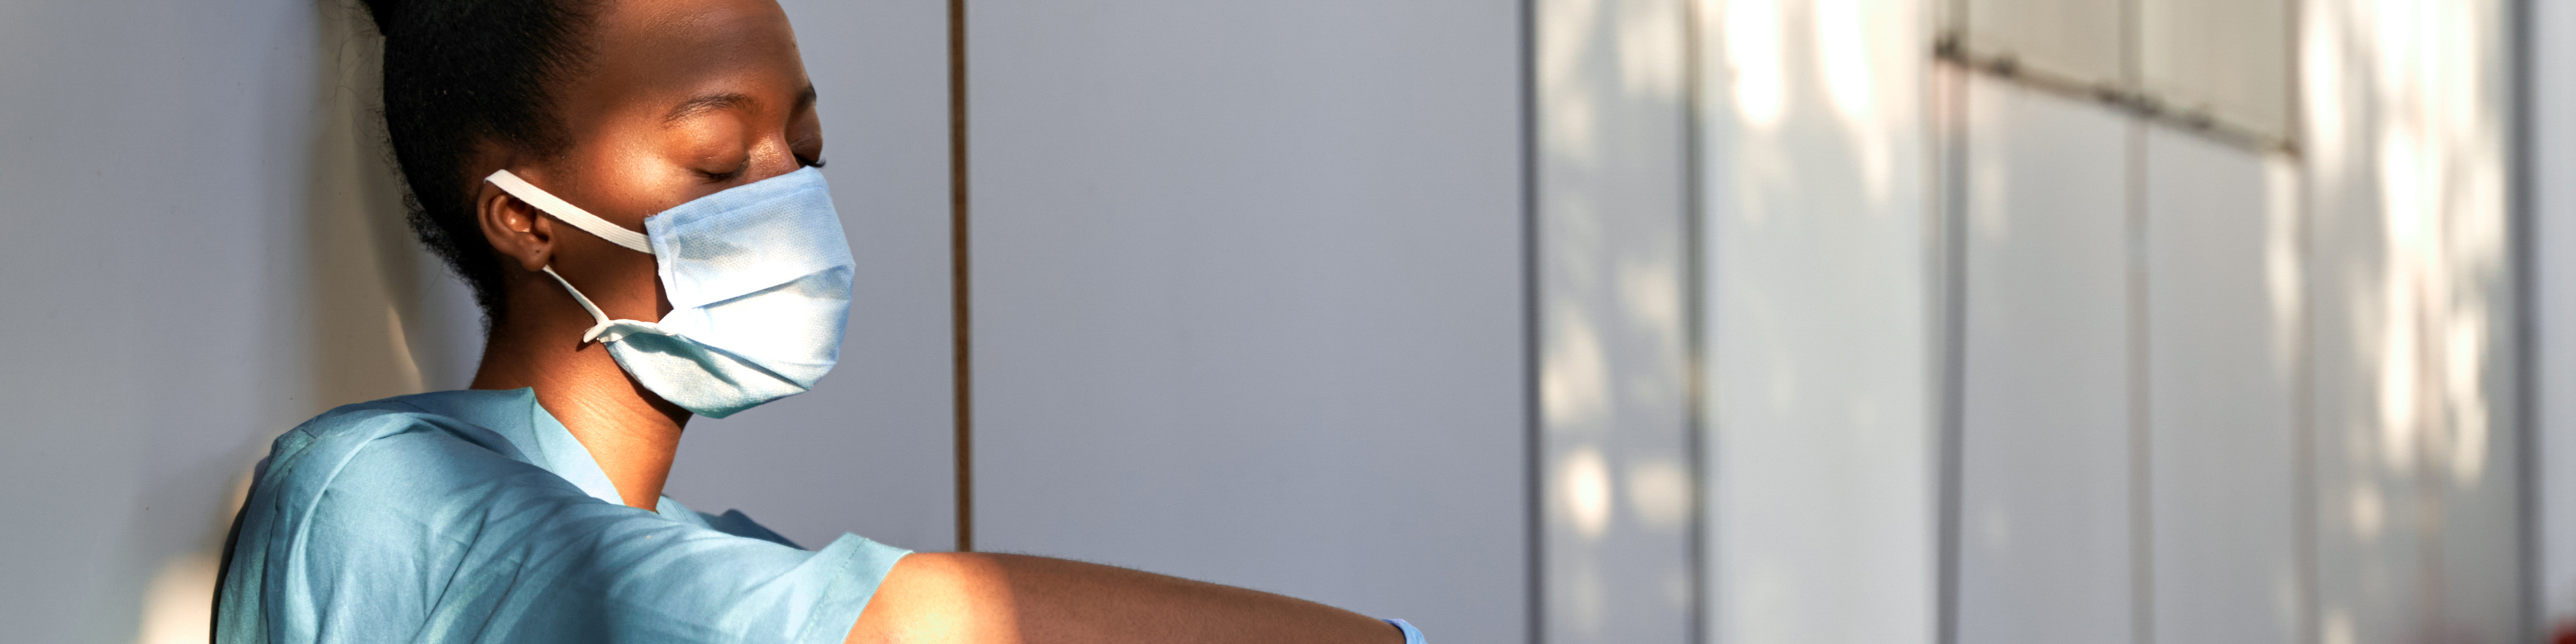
[(423, 536)]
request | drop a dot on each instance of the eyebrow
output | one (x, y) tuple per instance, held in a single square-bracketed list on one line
[(707, 103), (725, 101)]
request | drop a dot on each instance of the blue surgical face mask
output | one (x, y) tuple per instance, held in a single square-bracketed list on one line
[(759, 281)]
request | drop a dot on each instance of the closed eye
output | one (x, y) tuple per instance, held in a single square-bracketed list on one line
[(725, 176)]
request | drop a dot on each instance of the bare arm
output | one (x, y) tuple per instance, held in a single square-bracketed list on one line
[(1013, 599)]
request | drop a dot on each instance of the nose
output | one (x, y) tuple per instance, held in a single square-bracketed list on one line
[(771, 157)]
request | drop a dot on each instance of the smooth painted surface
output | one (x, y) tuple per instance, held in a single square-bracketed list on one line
[(1249, 299), (2045, 470), (2552, 138), (2224, 342), (1818, 240), (205, 248), (1616, 449), (201, 255)]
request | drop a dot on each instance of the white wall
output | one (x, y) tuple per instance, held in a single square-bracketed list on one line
[(2045, 470), (2219, 394), (2224, 340), (1820, 288), (193, 270), (2133, 342), (2414, 405), (2552, 138), (1617, 465), (1249, 299)]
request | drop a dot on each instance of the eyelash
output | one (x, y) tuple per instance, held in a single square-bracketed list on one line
[(721, 177)]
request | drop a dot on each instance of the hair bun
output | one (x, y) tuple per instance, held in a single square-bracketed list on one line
[(384, 12)]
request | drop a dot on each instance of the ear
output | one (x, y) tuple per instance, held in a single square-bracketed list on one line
[(518, 231)]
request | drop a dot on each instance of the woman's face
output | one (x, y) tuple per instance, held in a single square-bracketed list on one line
[(678, 99)]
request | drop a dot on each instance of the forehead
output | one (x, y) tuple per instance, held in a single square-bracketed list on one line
[(654, 54)]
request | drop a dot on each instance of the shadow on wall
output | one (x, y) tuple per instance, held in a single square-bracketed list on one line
[(1614, 381), (383, 317), (2417, 495)]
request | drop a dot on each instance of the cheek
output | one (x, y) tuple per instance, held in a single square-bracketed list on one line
[(622, 282), (637, 170), (634, 183), (623, 189)]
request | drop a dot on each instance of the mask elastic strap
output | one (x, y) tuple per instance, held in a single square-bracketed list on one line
[(595, 314), (569, 213)]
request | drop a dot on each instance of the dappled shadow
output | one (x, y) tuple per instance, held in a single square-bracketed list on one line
[(2406, 110)]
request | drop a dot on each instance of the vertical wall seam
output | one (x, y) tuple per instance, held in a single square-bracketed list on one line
[(2142, 580), (2521, 230), (1695, 297), (1950, 241), (1950, 267), (1533, 428), (961, 320), (2142, 543), (2303, 440)]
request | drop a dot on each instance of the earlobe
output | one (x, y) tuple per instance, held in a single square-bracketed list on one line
[(514, 228)]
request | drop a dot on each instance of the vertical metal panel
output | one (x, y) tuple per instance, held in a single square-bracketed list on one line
[(1818, 252), (1249, 298), (2223, 335), (2076, 39), (2045, 473), (2552, 74), (2227, 59), (867, 451), (1616, 458), (2407, 180)]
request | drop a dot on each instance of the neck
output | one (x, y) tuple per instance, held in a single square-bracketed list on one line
[(633, 434)]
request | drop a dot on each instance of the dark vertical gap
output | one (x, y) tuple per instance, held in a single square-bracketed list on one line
[(2142, 515), (2303, 439), (2306, 441), (2142, 512), (1695, 297), (2521, 229), (1532, 490), (1951, 304), (960, 320), (1950, 214)]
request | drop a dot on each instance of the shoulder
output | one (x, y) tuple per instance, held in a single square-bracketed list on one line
[(316, 454), (420, 452), (388, 462), (356, 511), (434, 413)]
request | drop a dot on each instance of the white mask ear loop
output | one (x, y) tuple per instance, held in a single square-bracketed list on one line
[(595, 314), (569, 213)]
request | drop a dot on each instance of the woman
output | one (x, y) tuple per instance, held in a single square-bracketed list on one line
[(536, 137)]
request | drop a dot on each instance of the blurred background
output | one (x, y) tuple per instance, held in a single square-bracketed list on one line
[(1728, 321)]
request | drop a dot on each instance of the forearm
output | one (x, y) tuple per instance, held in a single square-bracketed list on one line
[(1000, 599)]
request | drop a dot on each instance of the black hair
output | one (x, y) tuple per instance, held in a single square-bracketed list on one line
[(459, 74)]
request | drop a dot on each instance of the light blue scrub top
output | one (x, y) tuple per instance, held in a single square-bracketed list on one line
[(474, 516)]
